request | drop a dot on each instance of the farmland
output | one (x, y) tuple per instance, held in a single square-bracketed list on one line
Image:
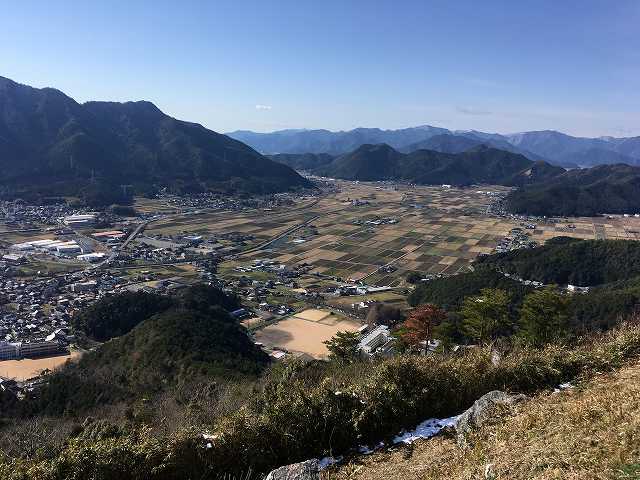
[(378, 233)]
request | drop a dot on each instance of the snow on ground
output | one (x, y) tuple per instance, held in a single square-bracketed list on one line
[(426, 429)]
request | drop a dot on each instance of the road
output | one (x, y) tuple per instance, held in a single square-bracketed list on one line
[(114, 253)]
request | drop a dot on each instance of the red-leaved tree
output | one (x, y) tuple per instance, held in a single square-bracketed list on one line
[(420, 323)]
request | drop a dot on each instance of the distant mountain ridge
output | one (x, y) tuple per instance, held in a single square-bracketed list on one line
[(52, 145), (552, 146)]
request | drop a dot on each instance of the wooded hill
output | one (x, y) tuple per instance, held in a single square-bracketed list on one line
[(50, 145)]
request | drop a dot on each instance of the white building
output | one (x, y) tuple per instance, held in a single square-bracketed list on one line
[(91, 257), (378, 340), (82, 220)]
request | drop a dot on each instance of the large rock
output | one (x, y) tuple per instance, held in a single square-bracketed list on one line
[(482, 411), (298, 471)]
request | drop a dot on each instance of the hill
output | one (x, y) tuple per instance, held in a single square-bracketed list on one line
[(564, 260), (457, 143), (311, 411), (478, 165), (186, 339), (611, 268), (52, 145), (582, 192)]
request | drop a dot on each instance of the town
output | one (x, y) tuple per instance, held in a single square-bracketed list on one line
[(306, 265)]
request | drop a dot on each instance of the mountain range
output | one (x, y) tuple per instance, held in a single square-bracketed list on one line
[(52, 145), (544, 188), (480, 164), (554, 147)]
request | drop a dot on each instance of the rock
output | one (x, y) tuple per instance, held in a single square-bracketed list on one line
[(483, 410), (298, 471)]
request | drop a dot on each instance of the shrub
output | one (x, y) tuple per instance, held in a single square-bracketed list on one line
[(305, 411)]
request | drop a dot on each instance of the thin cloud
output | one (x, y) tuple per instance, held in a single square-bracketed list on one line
[(263, 107), (472, 111)]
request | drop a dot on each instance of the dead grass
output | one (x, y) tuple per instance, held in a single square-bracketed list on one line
[(587, 433)]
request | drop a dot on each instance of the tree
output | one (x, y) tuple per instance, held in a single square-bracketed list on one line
[(343, 347), (544, 316), (421, 322), (414, 277), (381, 314), (486, 315)]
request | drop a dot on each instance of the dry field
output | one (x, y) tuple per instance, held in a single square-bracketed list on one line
[(304, 332), (437, 230), (32, 367)]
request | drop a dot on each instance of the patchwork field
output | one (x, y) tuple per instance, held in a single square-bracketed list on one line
[(305, 332), (378, 233)]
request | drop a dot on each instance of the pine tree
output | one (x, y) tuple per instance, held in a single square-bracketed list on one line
[(544, 316), (343, 347), (486, 316)]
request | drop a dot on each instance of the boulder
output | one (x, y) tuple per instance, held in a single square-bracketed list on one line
[(482, 411), (298, 471)]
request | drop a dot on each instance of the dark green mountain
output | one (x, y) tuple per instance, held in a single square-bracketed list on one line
[(52, 145), (478, 165), (582, 192)]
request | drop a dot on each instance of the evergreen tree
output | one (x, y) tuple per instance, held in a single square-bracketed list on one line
[(343, 347), (544, 316), (486, 316)]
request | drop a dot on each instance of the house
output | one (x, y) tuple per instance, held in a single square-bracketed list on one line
[(13, 259), (9, 351), (576, 289)]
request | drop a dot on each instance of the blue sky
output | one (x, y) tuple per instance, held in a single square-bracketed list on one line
[(502, 66)]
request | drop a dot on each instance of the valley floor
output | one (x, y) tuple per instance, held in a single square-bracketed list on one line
[(588, 432)]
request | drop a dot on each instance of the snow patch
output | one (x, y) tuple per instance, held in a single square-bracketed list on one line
[(426, 429), (327, 462)]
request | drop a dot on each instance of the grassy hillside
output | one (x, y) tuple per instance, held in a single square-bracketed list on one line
[(303, 412), (586, 433)]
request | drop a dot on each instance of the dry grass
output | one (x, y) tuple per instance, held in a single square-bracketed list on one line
[(590, 432)]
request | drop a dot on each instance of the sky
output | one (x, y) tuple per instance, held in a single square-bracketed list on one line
[(498, 66)]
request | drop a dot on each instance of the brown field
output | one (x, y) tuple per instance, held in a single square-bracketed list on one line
[(437, 230), (305, 334), (32, 367)]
